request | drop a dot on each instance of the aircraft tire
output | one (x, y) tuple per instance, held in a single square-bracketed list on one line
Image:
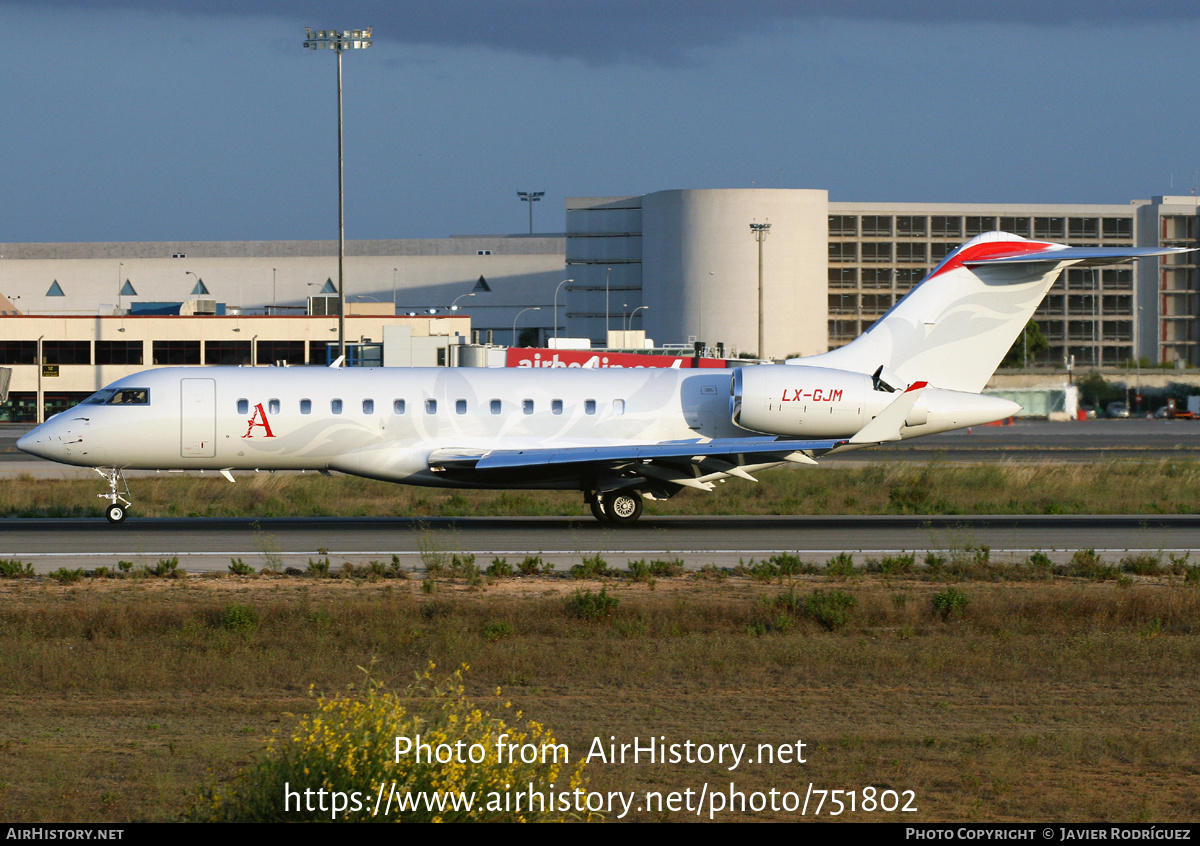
[(115, 513), (622, 507), (598, 509)]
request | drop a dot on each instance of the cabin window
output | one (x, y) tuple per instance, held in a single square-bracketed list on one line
[(527, 406), (368, 406), (335, 406), (431, 406), (273, 406), (306, 406), (460, 406), (398, 406), (618, 406), (589, 406), (556, 406), (243, 406), (496, 406)]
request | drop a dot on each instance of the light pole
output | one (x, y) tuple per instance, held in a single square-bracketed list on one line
[(560, 284), (339, 40), (607, 274), (633, 314), (531, 197), (454, 305), (40, 417), (120, 266), (273, 301), (760, 231), (395, 270), (519, 313)]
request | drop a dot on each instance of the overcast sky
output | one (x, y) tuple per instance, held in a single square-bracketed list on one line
[(173, 120)]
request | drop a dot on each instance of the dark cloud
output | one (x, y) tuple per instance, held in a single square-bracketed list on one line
[(638, 30)]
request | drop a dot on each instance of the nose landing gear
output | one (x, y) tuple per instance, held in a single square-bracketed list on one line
[(118, 493)]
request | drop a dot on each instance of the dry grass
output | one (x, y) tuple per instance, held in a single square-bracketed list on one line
[(1118, 487), (1032, 701)]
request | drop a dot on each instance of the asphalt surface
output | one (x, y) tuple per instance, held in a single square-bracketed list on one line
[(209, 544)]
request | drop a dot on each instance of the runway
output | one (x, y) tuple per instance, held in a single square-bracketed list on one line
[(209, 544)]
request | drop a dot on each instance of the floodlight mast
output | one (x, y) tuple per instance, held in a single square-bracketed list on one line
[(760, 231), (339, 40), (531, 197)]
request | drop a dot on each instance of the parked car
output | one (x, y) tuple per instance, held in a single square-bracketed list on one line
[(1117, 409)]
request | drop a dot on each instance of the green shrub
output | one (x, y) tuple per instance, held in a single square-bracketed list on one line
[(166, 567), (319, 567), (532, 565), (65, 576), (592, 567), (831, 609), (499, 568), (841, 566), (497, 629), (240, 568), (368, 738), (587, 605), (639, 571), (1085, 563), (11, 568), (663, 569), (949, 602), (895, 565), (1143, 564), (789, 564), (238, 618)]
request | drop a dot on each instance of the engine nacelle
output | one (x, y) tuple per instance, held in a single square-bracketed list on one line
[(812, 402)]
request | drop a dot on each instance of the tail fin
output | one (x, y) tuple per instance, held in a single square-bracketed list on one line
[(953, 329)]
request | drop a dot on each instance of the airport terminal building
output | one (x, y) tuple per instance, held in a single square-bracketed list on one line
[(683, 266)]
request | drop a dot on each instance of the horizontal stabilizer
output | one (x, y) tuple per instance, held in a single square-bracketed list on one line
[(886, 425), (1081, 256)]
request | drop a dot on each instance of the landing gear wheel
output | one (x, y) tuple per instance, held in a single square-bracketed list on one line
[(117, 496), (622, 507), (598, 510)]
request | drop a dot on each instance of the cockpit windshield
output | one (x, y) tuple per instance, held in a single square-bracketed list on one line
[(119, 396)]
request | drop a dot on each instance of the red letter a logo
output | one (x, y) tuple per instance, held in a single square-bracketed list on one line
[(255, 421)]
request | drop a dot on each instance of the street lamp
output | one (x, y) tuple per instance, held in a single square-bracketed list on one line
[(454, 305), (633, 314), (519, 313), (560, 284), (120, 267), (339, 40), (760, 231), (531, 197)]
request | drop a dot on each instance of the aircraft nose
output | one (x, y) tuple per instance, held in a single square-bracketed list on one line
[(46, 441), (35, 443)]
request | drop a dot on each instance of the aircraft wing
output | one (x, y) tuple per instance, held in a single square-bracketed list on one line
[(739, 450), (670, 466)]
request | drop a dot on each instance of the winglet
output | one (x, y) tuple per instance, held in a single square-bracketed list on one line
[(887, 424)]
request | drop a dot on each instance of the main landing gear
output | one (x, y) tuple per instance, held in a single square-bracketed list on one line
[(117, 496), (620, 507)]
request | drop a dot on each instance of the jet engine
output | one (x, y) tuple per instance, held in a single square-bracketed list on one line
[(815, 402)]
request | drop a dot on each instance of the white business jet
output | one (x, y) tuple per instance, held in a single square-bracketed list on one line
[(617, 435)]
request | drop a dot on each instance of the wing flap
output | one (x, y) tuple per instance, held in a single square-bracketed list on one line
[(737, 451)]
